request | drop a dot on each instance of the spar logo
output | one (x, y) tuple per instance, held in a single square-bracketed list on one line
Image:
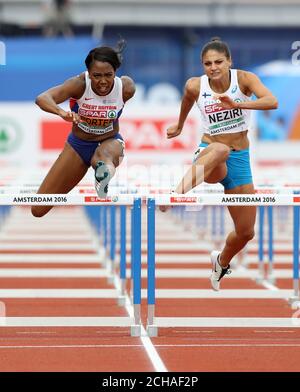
[(112, 114), (96, 199), (183, 199), (10, 135), (215, 107)]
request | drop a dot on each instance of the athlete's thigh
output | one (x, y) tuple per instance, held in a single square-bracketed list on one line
[(218, 173), (110, 149), (243, 216), (65, 173)]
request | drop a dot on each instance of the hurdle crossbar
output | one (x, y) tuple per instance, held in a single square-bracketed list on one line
[(271, 199), (225, 200)]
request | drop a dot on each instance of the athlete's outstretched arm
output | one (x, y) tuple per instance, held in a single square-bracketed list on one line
[(190, 96)]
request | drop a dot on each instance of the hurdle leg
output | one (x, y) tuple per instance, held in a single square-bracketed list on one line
[(112, 244), (261, 272), (270, 275), (132, 244), (121, 298), (294, 301), (151, 327), (137, 267)]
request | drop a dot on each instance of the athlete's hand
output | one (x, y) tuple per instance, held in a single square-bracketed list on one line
[(226, 102), (69, 116), (173, 131)]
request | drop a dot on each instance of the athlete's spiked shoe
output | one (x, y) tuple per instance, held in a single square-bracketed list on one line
[(217, 271), (102, 178)]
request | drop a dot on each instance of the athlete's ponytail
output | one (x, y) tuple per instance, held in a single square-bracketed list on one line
[(107, 54)]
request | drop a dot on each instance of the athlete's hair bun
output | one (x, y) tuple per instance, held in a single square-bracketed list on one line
[(213, 39)]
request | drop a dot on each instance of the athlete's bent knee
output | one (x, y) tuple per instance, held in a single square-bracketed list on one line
[(221, 150), (246, 236)]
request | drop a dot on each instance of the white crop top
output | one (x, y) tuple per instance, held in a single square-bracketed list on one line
[(214, 119), (98, 113)]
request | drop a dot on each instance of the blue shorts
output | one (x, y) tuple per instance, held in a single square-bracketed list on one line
[(85, 149), (238, 168)]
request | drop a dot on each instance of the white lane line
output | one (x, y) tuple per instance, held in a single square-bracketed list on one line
[(52, 258), (59, 293), (173, 247), (54, 273), (44, 236), (66, 321), (233, 322), (269, 286), (205, 259), (226, 293), (164, 258), (159, 293), (160, 273), (47, 247), (153, 355)]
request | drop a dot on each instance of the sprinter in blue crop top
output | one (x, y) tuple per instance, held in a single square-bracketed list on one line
[(97, 98), (223, 96)]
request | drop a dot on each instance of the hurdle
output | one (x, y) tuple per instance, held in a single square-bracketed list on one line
[(260, 200), (85, 200), (135, 202)]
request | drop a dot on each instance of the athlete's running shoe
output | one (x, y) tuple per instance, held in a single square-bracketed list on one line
[(102, 178), (217, 271)]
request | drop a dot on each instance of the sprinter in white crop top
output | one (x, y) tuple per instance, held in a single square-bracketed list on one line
[(223, 96), (97, 98)]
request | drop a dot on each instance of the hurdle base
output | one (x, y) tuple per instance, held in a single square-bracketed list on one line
[(152, 330), (259, 280), (135, 330), (293, 300), (271, 279), (296, 304), (121, 300)]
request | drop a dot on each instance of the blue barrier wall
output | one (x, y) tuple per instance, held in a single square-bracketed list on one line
[(153, 55), (35, 64)]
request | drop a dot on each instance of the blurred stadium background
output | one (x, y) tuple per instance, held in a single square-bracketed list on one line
[(164, 38)]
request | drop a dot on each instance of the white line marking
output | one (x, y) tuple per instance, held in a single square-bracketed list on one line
[(66, 321), (59, 293), (160, 273), (205, 259), (53, 273), (226, 293), (160, 293), (47, 247), (41, 236), (153, 355), (233, 322), (52, 258)]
